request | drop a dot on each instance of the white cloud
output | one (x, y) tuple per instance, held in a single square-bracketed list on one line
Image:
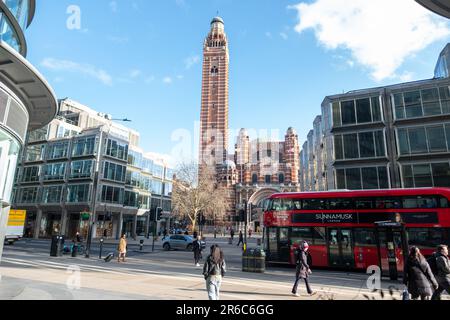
[(135, 73), (118, 40), (379, 34), (191, 61), (113, 6), (269, 35), (85, 69), (180, 77), (167, 80), (164, 158), (283, 35), (149, 79)]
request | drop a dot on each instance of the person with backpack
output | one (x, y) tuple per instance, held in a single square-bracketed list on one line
[(418, 276), (303, 270), (214, 270), (197, 248), (442, 271)]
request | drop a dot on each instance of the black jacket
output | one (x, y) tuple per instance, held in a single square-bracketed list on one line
[(419, 278), (302, 264), (443, 267), (209, 266)]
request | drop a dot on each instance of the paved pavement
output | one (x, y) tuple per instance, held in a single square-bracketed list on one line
[(28, 273)]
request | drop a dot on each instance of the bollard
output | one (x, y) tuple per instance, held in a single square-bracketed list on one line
[(101, 248), (141, 244)]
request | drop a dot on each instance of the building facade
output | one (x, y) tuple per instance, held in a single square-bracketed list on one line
[(396, 136), (83, 162), (27, 101), (257, 169)]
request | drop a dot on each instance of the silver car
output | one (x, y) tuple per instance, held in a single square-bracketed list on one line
[(179, 242)]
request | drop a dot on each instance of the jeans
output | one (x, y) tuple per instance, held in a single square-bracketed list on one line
[(442, 287), (297, 280), (213, 284)]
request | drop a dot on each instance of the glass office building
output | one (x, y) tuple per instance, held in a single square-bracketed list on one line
[(80, 156), (396, 136), (27, 102)]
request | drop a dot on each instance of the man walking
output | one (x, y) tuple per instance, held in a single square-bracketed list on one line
[(241, 238), (443, 272), (197, 248), (232, 235), (303, 269)]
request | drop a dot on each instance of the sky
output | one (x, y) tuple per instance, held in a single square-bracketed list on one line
[(141, 59)]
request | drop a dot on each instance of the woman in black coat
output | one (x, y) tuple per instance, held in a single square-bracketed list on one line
[(418, 277), (303, 269)]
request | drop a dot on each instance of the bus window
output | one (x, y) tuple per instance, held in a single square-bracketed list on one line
[(443, 202), (364, 204), (425, 237), (314, 204), (297, 205), (301, 234), (364, 237), (340, 204), (419, 202), (388, 203), (319, 236)]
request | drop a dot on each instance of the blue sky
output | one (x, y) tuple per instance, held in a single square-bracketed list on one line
[(141, 59)]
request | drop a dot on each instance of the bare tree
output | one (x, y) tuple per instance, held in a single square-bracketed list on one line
[(194, 194)]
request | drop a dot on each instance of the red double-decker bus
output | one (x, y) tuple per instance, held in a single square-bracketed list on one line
[(357, 229)]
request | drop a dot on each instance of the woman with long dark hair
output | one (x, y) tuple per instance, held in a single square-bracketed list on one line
[(418, 276), (214, 270)]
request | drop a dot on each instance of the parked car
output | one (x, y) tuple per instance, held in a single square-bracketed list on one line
[(179, 242)]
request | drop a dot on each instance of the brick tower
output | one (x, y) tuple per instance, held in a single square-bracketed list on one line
[(214, 110)]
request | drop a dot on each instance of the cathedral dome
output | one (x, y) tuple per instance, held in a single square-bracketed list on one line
[(217, 19), (229, 165), (291, 131)]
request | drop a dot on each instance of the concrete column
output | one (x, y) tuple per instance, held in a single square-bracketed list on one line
[(38, 224), (134, 227), (64, 221), (119, 227)]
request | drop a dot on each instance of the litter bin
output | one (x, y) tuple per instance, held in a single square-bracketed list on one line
[(245, 261), (251, 260), (57, 246), (260, 261)]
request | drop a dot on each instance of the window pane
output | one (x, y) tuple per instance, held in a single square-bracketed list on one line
[(340, 204), (447, 134), (399, 106), (403, 144), (336, 114), (419, 202), (436, 139), (376, 109), (353, 179), (364, 237), (430, 95), (363, 110), (348, 112), (417, 140), (432, 108), (408, 179), (338, 145), (366, 145), (370, 178), (422, 176), (351, 146), (413, 104), (445, 99), (441, 174), (383, 178), (340, 179), (379, 144)]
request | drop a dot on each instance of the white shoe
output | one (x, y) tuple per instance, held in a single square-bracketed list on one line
[(296, 294), (197, 265)]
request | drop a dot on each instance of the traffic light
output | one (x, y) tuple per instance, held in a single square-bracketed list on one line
[(159, 214)]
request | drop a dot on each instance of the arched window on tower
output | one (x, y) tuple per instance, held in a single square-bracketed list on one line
[(214, 71), (254, 178)]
